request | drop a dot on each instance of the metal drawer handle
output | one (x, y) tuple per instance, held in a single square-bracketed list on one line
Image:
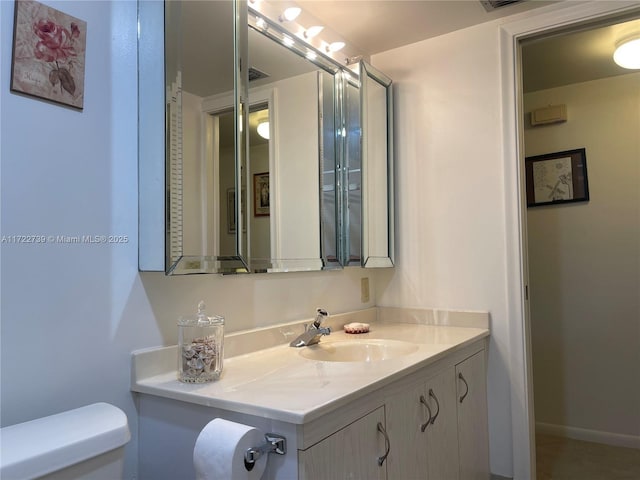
[(424, 402), (387, 444), (433, 395), (465, 384)]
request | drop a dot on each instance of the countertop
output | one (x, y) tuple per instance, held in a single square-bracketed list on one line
[(279, 383)]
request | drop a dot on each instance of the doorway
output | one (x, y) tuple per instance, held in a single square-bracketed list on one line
[(557, 18), (584, 255)]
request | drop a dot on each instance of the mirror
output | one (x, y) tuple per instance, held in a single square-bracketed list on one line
[(376, 114), (292, 199), (228, 200), (194, 229)]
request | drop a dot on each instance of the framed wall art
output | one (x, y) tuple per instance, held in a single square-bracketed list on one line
[(48, 57), (555, 178), (261, 194)]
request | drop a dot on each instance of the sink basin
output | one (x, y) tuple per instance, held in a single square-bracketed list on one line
[(358, 351)]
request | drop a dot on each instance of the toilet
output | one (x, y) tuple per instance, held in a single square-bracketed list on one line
[(85, 443)]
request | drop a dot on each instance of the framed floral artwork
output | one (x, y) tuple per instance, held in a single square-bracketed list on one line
[(48, 54), (559, 177)]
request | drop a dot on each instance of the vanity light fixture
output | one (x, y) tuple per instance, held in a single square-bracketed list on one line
[(627, 53), (263, 130), (313, 31), (290, 14)]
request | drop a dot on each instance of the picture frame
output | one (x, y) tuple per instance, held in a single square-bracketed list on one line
[(48, 55), (557, 178), (261, 201)]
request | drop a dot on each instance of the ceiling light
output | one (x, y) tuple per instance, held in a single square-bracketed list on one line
[(290, 14), (313, 31), (263, 130), (627, 53), (335, 46)]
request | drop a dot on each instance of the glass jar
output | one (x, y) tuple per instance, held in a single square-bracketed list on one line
[(200, 347)]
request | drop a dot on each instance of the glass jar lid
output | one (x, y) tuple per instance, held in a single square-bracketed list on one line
[(201, 319)]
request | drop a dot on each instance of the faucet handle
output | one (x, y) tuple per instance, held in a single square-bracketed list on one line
[(321, 314)]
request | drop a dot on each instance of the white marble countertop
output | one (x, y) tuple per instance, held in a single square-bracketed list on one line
[(279, 383)]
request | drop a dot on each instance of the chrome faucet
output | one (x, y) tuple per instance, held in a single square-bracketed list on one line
[(313, 332)]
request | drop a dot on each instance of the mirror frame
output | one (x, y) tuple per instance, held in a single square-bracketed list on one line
[(371, 258)]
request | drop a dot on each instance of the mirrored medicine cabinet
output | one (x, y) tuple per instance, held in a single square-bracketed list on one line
[(257, 153)]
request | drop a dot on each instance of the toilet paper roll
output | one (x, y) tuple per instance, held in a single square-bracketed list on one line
[(220, 448)]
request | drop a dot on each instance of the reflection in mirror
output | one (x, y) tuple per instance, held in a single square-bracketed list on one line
[(202, 234), (292, 175), (376, 112), (352, 204)]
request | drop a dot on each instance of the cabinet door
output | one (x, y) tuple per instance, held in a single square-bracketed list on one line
[(350, 453), (442, 432), (405, 418), (473, 438)]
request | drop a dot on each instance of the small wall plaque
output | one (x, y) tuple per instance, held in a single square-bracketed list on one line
[(48, 54)]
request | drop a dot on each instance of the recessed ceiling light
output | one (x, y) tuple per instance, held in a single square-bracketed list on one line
[(627, 53), (263, 130)]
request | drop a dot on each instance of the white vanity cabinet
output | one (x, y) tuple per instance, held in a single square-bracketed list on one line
[(422, 426), (355, 451), (416, 416), (473, 444), (431, 434), (435, 436)]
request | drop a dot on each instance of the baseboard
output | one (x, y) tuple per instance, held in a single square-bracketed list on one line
[(596, 436)]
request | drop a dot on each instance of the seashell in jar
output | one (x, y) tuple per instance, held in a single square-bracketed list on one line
[(196, 363)]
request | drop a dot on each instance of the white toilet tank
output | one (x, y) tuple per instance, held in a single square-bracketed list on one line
[(85, 443)]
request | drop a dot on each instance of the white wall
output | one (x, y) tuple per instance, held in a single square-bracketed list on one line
[(451, 162), (71, 314), (450, 195), (584, 263)]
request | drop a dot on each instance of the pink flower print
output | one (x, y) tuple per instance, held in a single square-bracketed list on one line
[(56, 43)]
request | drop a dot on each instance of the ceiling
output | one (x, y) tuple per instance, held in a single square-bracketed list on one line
[(380, 25), (573, 57), (373, 26)]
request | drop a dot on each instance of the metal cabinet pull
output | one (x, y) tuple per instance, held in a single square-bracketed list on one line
[(433, 395), (465, 384), (387, 444), (424, 402)]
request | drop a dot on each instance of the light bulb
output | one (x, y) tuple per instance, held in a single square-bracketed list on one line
[(313, 31), (263, 130), (335, 46), (290, 14), (627, 55)]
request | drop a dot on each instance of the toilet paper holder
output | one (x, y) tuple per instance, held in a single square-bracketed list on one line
[(273, 444)]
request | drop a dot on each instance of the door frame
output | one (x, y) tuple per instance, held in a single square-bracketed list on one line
[(548, 19)]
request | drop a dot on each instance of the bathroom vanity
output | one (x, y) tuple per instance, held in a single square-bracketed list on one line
[(406, 400)]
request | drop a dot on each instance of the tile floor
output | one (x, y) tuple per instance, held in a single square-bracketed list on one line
[(559, 458)]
